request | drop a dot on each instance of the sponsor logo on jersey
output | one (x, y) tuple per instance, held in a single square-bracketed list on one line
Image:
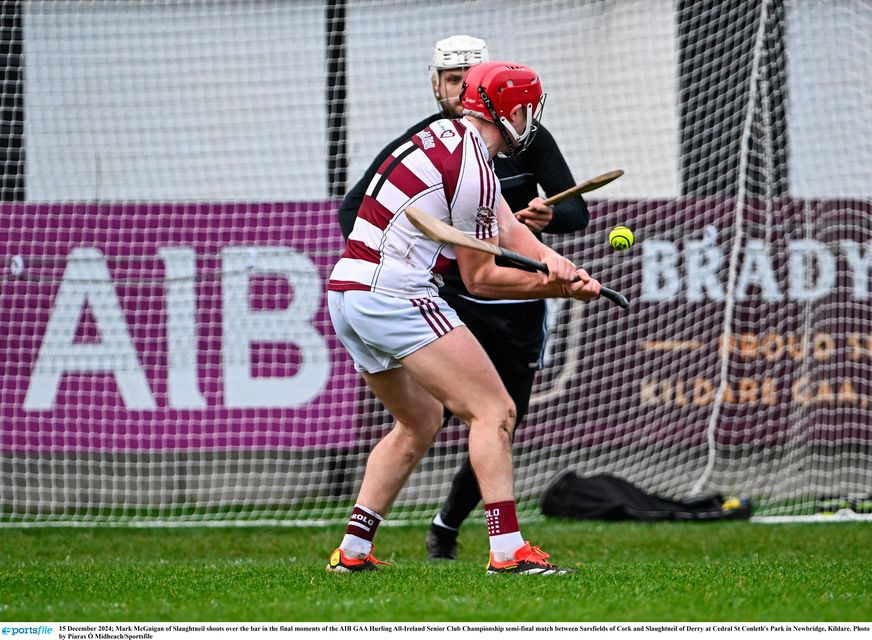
[(426, 139)]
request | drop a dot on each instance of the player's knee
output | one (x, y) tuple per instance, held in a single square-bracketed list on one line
[(426, 421), (409, 446), (502, 416), (497, 414), (507, 425), (418, 437)]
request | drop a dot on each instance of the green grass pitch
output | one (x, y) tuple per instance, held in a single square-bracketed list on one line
[(727, 571)]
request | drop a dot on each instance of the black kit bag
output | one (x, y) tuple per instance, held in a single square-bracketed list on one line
[(605, 497)]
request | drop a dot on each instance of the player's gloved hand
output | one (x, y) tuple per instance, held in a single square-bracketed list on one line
[(559, 269), (586, 288), (537, 215)]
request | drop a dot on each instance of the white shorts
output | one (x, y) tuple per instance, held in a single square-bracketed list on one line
[(379, 330)]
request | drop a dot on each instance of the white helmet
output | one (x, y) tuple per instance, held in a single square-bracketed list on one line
[(454, 52), (458, 52)]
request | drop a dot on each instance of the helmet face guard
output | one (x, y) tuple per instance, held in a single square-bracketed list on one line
[(493, 90), (516, 142)]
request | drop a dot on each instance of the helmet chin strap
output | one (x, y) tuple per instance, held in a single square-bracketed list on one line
[(515, 144), (522, 137)]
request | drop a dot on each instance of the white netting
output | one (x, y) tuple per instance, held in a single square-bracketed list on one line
[(169, 197)]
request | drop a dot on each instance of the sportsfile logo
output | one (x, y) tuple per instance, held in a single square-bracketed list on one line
[(27, 631)]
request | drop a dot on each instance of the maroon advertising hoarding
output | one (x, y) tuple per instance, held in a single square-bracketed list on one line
[(163, 327)]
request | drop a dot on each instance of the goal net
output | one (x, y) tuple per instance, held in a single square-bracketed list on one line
[(171, 175)]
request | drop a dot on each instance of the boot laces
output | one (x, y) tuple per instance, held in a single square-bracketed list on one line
[(374, 560), (537, 556)]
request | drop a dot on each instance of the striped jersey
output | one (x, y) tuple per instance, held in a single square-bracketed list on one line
[(442, 170)]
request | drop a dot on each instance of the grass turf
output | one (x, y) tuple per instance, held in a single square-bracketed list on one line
[(717, 571)]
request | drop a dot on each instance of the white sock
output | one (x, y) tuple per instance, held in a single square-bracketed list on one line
[(355, 547), (504, 546), (438, 522)]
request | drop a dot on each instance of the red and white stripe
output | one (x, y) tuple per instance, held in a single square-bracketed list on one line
[(433, 315), (450, 180)]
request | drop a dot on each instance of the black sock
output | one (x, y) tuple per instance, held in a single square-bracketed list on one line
[(463, 497)]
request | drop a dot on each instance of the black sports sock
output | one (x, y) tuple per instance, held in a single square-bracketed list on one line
[(463, 497)]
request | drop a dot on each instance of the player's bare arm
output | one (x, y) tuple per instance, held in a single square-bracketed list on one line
[(518, 237), (485, 278)]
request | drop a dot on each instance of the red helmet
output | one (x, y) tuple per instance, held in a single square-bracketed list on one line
[(493, 89)]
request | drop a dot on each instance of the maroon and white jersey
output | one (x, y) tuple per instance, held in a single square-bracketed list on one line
[(444, 171)]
